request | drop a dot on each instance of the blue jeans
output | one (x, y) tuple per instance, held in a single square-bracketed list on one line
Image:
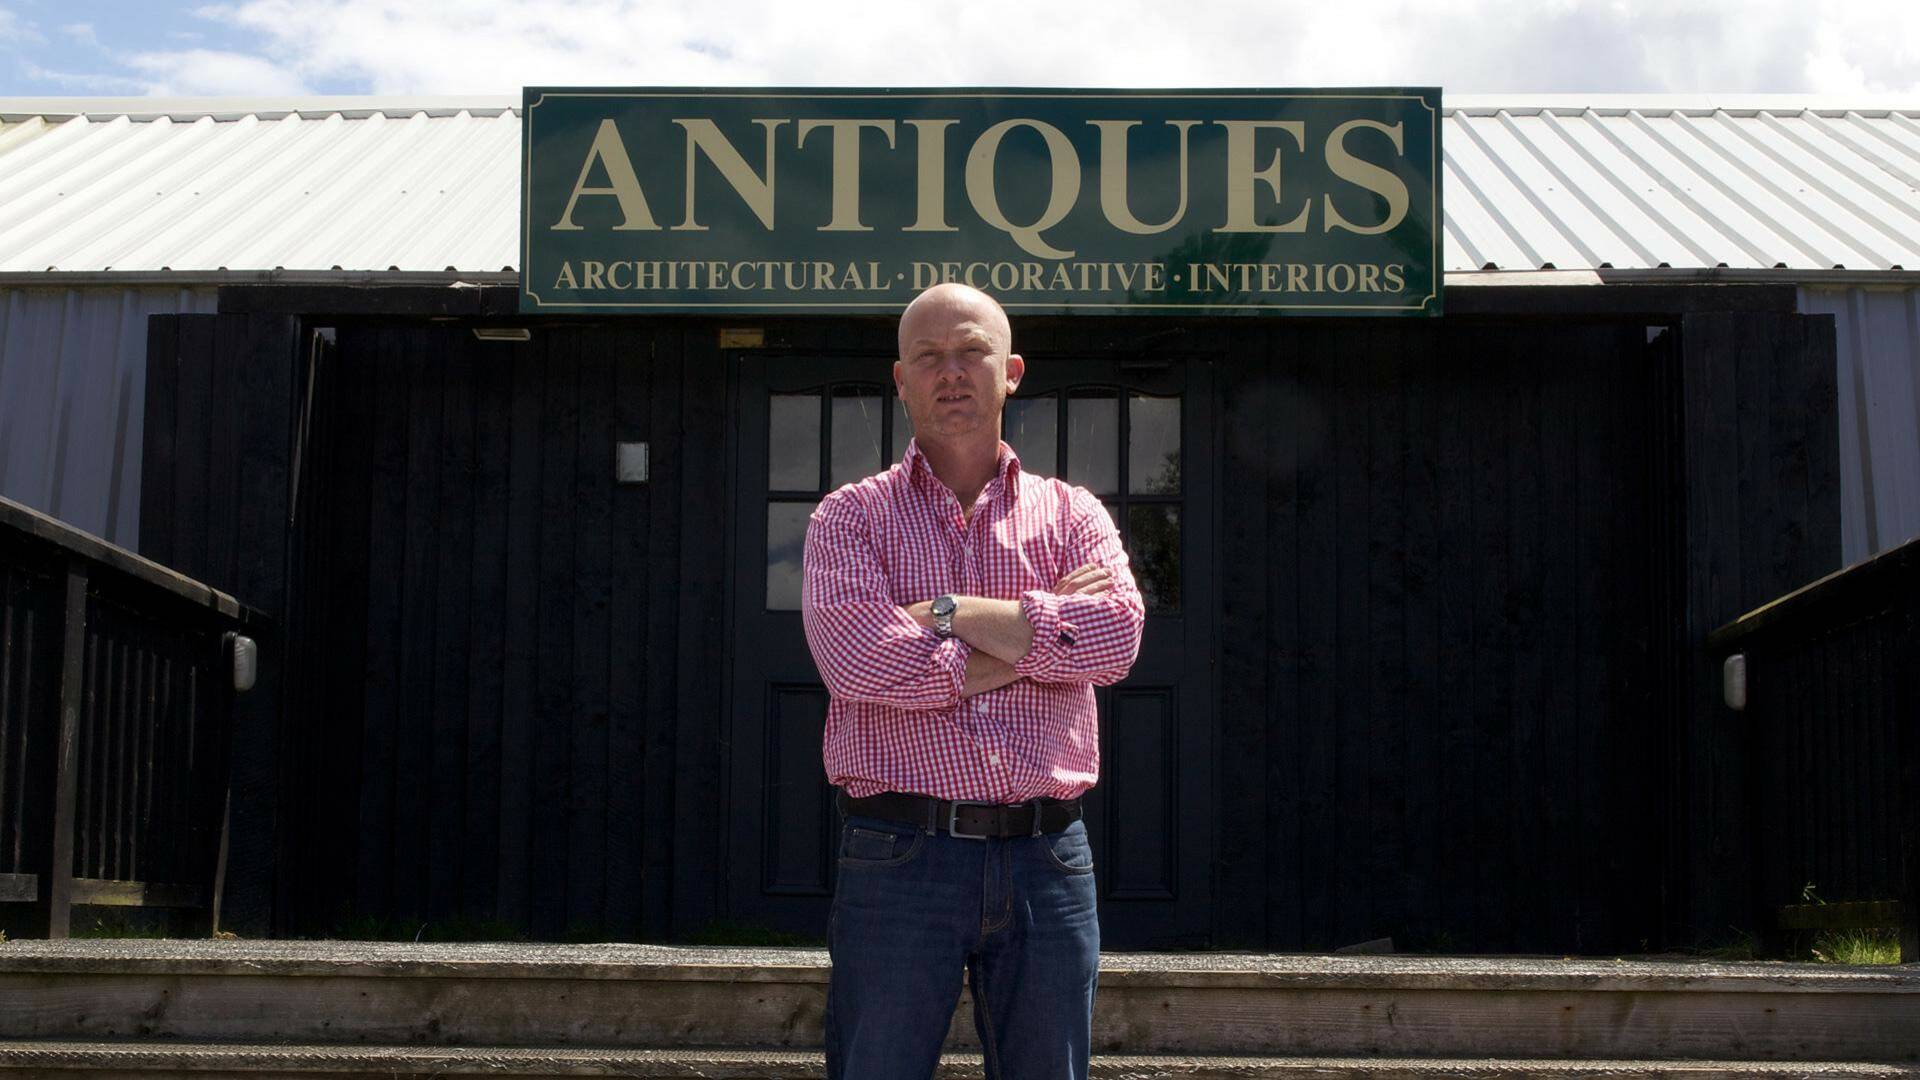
[(911, 907)]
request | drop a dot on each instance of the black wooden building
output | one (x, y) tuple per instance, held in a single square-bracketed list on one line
[(1425, 655)]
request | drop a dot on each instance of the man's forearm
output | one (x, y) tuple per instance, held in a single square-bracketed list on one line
[(986, 672), (993, 626)]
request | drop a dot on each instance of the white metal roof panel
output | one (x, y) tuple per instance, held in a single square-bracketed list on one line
[(432, 184)]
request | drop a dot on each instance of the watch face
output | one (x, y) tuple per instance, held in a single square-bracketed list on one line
[(943, 605)]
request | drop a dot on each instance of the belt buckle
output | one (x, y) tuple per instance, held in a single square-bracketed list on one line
[(953, 819)]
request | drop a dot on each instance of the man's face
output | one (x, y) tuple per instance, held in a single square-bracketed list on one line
[(955, 368)]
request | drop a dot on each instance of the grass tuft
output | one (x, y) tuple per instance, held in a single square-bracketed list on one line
[(1857, 947)]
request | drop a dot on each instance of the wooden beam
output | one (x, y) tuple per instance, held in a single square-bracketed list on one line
[(19, 888), (1861, 915), (107, 893), (56, 894)]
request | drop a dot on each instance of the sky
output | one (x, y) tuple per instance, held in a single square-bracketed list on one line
[(304, 47)]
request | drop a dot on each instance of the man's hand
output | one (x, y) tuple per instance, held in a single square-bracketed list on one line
[(1091, 579)]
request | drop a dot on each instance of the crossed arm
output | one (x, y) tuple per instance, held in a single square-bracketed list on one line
[(1086, 629), (998, 630)]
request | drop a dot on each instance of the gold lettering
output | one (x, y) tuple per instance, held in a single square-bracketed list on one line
[(590, 272), (1065, 167), (823, 275), (846, 167), (1297, 277), (1367, 175), (703, 136), (931, 137), (613, 282), (1395, 282), (611, 153), (565, 280), (1369, 278), (1113, 177), (1241, 175)]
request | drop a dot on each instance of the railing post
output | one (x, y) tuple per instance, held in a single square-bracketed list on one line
[(56, 887)]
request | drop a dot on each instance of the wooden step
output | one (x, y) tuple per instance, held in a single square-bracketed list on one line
[(149, 1061), (1192, 1003)]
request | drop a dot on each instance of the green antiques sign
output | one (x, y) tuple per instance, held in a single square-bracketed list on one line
[(1178, 202)]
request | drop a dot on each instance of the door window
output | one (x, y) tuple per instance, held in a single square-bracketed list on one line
[(1125, 448), (817, 440)]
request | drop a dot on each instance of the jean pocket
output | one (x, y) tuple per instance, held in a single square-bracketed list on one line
[(1069, 850), (871, 843)]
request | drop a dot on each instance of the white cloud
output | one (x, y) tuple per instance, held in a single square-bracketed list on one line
[(16, 30), (497, 46), (85, 83), (208, 71), (82, 33)]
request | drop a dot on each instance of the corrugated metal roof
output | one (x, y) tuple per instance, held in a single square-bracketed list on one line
[(432, 184)]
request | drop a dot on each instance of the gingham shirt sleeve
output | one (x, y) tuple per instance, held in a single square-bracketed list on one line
[(866, 647), (1079, 638)]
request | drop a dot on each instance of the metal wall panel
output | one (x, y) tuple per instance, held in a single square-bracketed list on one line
[(1878, 339), (72, 384)]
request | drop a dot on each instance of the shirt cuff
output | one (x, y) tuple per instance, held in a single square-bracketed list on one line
[(950, 658), (1052, 633)]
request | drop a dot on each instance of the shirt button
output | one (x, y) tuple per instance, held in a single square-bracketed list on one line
[(980, 707), (995, 758)]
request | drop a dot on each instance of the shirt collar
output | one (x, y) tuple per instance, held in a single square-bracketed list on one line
[(1007, 468)]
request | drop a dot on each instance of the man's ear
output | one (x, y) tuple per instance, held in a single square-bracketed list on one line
[(899, 389), (1016, 370)]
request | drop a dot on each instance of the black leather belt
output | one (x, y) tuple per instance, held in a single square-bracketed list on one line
[(963, 818)]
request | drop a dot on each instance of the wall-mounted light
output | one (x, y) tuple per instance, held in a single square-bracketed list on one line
[(503, 333), (630, 463), (1733, 682), (245, 657)]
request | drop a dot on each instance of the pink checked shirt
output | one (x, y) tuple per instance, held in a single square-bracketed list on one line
[(896, 721)]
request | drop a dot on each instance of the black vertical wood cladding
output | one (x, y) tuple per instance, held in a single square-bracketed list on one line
[(1435, 638), (514, 703), (216, 460), (1457, 614), (1760, 521), (1832, 677)]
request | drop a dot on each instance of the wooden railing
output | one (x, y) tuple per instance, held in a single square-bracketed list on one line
[(1827, 678), (117, 679)]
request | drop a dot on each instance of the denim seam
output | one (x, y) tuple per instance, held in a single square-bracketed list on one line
[(989, 1048), (988, 926)]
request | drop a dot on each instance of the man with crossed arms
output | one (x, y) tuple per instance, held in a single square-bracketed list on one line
[(961, 611)]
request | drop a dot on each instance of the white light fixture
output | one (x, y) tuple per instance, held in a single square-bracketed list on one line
[(630, 463), (1733, 682), (503, 333), (246, 660)]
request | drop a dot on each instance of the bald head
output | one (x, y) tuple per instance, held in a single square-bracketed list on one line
[(956, 367), (935, 310)]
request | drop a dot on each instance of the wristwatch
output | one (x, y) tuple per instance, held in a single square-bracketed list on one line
[(942, 611)]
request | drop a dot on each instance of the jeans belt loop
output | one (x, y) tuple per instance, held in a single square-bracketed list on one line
[(1035, 803)]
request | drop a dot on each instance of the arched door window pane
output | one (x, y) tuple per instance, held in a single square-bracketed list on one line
[(793, 442), (1093, 441), (1033, 430), (1153, 445), (856, 436)]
